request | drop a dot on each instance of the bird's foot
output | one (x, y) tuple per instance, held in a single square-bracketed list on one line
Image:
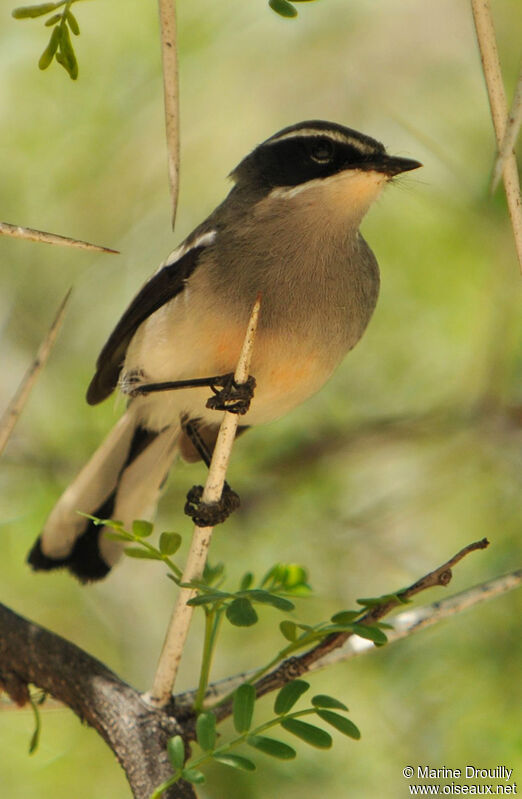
[(231, 396), (208, 514)]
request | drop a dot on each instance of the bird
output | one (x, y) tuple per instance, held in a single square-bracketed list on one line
[(287, 231)]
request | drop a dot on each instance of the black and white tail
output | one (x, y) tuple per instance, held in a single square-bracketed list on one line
[(122, 481)]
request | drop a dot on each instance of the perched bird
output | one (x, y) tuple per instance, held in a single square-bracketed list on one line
[(289, 231)]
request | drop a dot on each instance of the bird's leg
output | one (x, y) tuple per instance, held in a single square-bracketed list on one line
[(206, 514), (228, 395)]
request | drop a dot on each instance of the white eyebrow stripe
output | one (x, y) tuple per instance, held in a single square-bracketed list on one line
[(334, 135)]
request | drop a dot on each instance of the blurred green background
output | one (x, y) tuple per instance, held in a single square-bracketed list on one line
[(410, 452)]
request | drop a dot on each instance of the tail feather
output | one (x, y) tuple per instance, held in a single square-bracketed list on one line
[(122, 481)]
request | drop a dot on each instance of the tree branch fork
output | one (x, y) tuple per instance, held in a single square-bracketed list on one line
[(136, 732)]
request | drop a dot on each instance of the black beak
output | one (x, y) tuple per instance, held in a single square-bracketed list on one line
[(391, 165)]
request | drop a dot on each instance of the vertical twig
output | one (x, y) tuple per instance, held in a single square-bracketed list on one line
[(169, 55), (17, 404), (177, 632), (510, 136), (498, 105)]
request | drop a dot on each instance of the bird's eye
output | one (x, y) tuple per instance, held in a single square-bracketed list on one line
[(322, 151)]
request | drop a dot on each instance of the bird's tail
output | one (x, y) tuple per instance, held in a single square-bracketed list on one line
[(122, 481)]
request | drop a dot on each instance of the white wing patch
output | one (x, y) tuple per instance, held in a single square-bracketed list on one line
[(205, 240)]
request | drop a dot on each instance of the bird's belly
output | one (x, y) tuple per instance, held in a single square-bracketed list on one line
[(287, 368)]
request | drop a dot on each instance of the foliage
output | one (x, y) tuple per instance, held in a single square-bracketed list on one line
[(63, 23), (285, 8), (322, 706), (411, 446), (239, 608)]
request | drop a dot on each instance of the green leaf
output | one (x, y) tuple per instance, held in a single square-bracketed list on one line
[(236, 761), (289, 577), (206, 731), (345, 616), (142, 528), (246, 581), (52, 20), (73, 22), (169, 543), (193, 775), (35, 737), (142, 554), (24, 12), (340, 723), (176, 751), (289, 630), (295, 576), (323, 700), (271, 747), (241, 613), (265, 597), (50, 50), (288, 696), (371, 633), (244, 700), (213, 573), (114, 524), (282, 7), (208, 599), (308, 732), (117, 536), (68, 61), (373, 601)]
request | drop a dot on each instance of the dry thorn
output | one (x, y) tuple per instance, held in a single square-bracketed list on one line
[(498, 105), (30, 234), (17, 404), (169, 56), (160, 693)]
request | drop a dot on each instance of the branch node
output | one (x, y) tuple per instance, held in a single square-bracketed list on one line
[(445, 577), (15, 687)]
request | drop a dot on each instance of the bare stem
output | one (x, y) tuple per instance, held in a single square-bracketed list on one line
[(17, 404), (295, 666), (177, 632), (30, 234), (497, 101), (169, 55), (412, 621), (402, 626), (511, 134)]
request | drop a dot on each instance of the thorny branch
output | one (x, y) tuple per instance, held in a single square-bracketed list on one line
[(401, 626), (296, 666), (177, 632)]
